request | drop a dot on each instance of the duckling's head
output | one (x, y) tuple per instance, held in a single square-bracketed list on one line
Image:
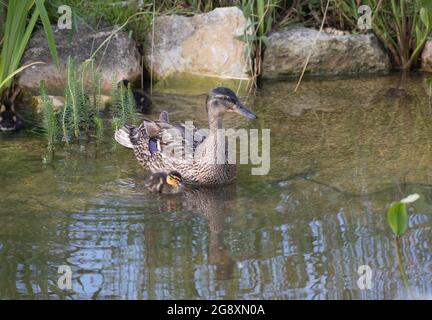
[(174, 179), (221, 100), (9, 121)]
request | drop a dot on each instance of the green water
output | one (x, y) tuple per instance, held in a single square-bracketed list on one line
[(341, 151)]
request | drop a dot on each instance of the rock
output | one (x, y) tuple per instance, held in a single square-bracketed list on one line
[(37, 102), (288, 49), (58, 102), (204, 45), (426, 57), (119, 58), (335, 32)]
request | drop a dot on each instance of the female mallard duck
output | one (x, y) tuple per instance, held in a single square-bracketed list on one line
[(154, 142), (165, 182)]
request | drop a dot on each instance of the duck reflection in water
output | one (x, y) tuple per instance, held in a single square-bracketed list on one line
[(215, 205)]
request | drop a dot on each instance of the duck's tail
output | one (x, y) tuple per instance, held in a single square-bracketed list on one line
[(122, 136)]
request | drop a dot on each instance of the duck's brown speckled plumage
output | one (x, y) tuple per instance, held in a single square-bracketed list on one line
[(202, 170)]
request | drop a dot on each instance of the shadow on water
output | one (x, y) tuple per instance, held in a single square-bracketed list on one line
[(341, 151)]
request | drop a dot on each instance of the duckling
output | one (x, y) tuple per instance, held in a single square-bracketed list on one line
[(9, 120), (168, 183), (142, 100)]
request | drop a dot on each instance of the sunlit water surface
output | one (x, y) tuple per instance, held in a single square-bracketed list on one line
[(341, 151)]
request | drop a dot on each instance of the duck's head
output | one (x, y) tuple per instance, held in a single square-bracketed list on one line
[(174, 179), (221, 100), (9, 121)]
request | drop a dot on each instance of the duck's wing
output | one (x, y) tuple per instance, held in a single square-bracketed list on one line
[(161, 136), (192, 133)]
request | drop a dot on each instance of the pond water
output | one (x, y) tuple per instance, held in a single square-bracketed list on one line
[(341, 151)]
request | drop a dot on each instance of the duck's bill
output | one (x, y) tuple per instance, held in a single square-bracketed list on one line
[(245, 112)]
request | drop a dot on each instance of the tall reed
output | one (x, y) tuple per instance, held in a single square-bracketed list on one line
[(16, 34), (261, 14)]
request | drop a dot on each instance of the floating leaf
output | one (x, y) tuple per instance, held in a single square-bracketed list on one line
[(397, 217)]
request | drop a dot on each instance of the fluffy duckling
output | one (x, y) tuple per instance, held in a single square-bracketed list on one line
[(142, 100), (168, 183), (9, 120)]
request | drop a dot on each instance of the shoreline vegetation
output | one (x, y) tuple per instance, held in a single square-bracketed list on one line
[(402, 27), (82, 115)]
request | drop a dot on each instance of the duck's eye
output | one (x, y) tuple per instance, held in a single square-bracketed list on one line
[(228, 99)]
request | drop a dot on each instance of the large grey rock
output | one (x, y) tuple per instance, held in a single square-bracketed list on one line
[(205, 45), (119, 58), (426, 57), (288, 49)]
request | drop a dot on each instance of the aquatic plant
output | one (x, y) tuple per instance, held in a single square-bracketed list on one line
[(96, 102), (397, 214), (16, 34), (75, 113), (123, 107), (397, 217), (50, 120), (81, 113)]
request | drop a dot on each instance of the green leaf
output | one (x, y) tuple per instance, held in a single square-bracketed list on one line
[(48, 30), (261, 16), (419, 35), (11, 75), (397, 217), (424, 16)]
